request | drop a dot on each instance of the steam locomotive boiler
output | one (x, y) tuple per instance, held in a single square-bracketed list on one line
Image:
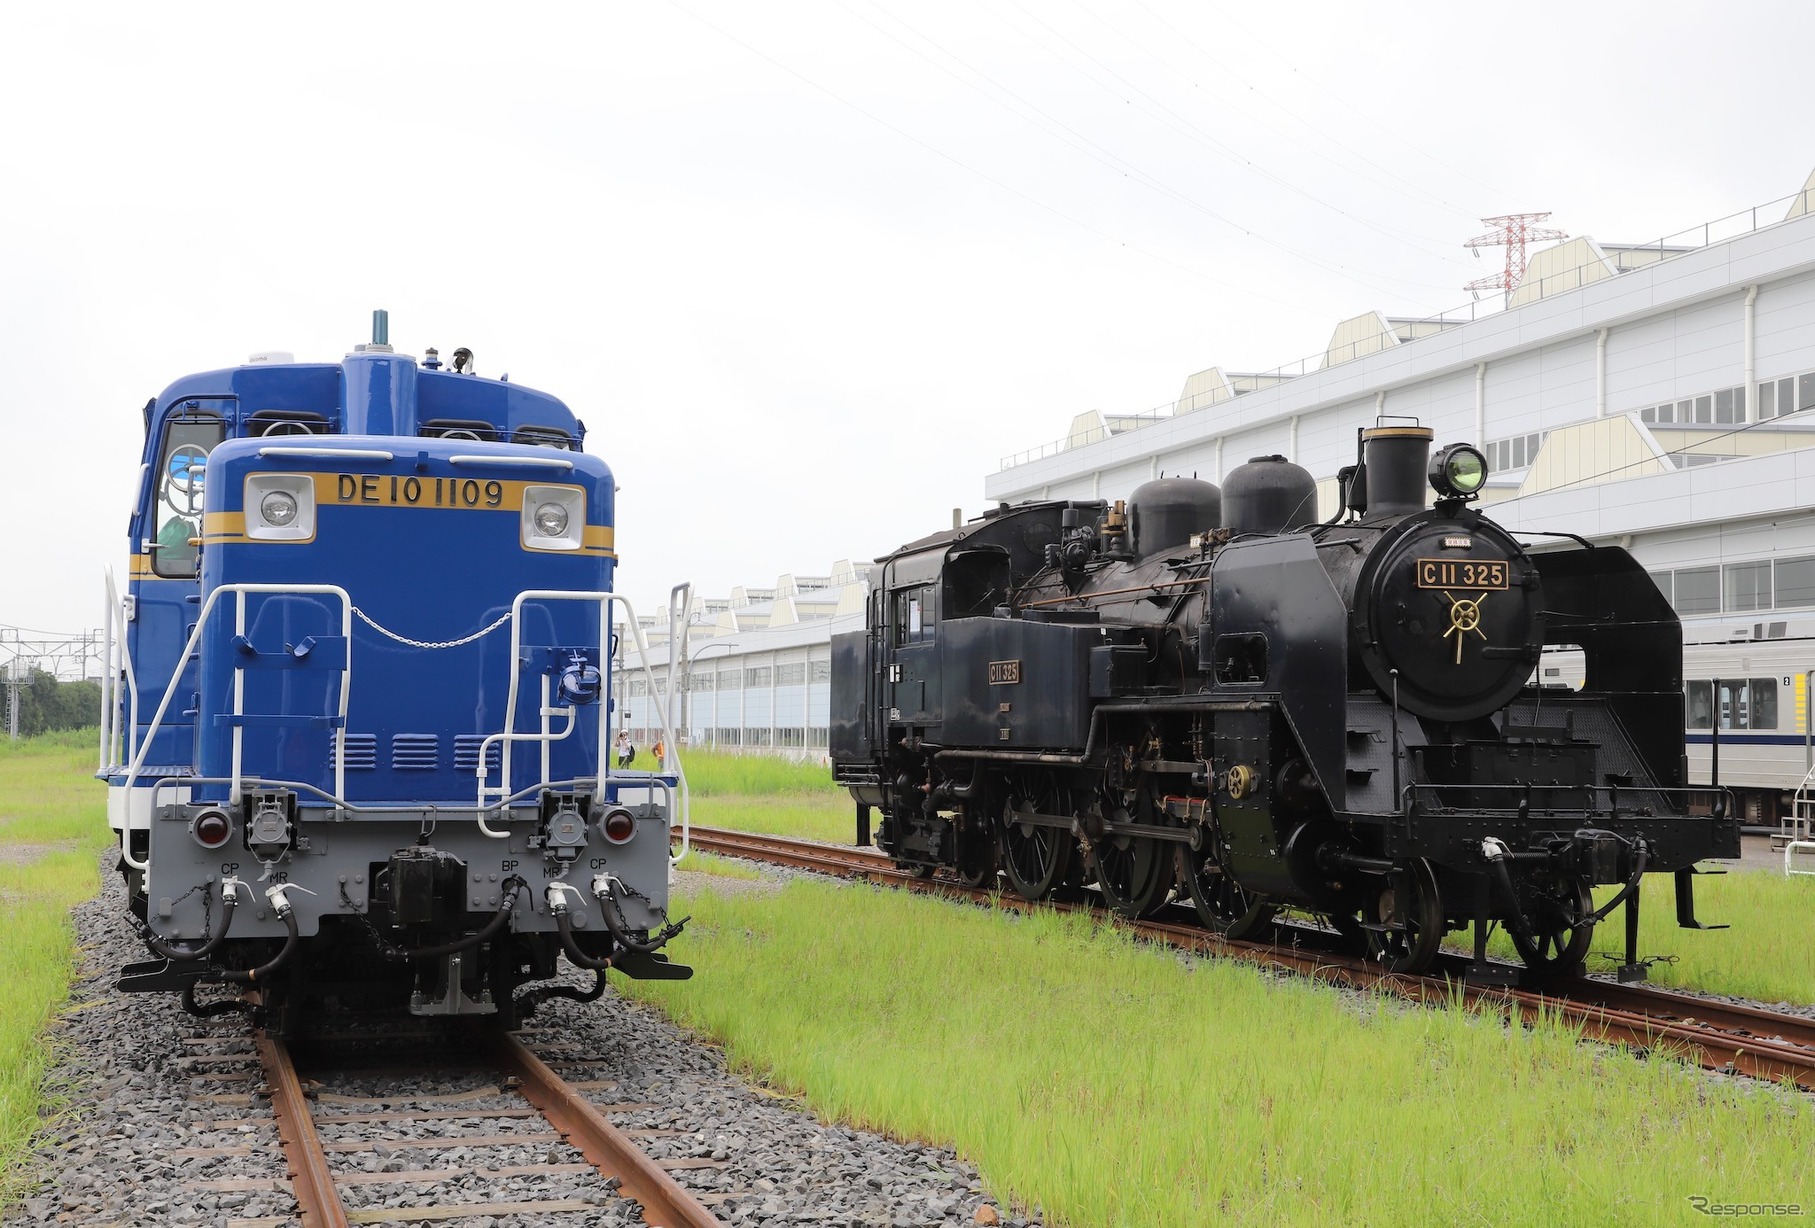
[(1198, 695)]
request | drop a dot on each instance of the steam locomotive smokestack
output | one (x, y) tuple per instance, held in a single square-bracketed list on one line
[(1396, 458)]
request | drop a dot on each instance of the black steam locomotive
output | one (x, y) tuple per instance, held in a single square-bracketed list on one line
[(1199, 695)]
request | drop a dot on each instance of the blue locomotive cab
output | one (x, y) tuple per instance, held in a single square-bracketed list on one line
[(359, 715)]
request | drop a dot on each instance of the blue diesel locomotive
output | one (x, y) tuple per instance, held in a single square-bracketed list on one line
[(356, 742)]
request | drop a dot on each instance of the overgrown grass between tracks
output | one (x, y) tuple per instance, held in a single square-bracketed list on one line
[(768, 795), (1118, 1085), (1766, 952), (52, 824)]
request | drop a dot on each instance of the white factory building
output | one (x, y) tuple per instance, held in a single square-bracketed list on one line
[(1657, 395), (1654, 395), (758, 666)]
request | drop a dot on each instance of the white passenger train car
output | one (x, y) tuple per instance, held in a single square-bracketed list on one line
[(1757, 679)]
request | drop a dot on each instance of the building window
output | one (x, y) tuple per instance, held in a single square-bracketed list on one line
[(1748, 587), (704, 680), (1697, 590), (1795, 582), (759, 676), (1514, 453), (791, 674), (1664, 586), (819, 671)]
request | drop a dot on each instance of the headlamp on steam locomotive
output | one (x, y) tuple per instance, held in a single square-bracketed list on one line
[(1458, 472)]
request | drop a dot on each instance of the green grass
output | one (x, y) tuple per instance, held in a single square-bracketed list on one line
[(720, 867), (47, 798), (1766, 952), (1115, 1085), (768, 795)]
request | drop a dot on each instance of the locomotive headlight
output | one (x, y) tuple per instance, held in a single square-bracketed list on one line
[(1458, 472), (553, 518), (280, 507)]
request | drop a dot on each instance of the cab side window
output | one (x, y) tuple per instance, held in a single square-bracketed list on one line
[(914, 615), (178, 483)]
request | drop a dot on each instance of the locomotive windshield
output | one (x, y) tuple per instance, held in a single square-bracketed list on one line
[(180, 480)]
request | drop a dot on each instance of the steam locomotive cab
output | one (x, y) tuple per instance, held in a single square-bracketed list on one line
[(1197, 696)]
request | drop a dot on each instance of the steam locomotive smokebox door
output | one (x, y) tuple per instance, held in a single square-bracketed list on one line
[(1013, 682)]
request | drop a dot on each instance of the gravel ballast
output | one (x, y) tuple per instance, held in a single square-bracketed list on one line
[(159, 1124)]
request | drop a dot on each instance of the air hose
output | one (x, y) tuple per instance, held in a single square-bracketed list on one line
[(604, 887), (181, 954), (512, 886), (1523, 939)]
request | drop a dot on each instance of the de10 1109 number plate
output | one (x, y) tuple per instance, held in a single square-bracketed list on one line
[(1462, 573)]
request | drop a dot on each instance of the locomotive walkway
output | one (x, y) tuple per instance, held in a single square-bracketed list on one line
[(1716, 1035)]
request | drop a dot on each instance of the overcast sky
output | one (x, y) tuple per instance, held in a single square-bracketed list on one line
[(808, 271)]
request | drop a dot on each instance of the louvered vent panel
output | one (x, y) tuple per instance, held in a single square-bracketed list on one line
[(415, 752), (362, 752), (466, 752)]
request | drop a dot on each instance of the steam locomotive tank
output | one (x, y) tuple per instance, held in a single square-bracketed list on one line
[(1199, 696)]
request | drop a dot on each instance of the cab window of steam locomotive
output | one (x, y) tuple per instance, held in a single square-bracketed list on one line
[(181, 479), (914, 615)]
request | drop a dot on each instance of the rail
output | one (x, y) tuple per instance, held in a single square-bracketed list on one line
[(663, 1201), (1717, 1035), (1667, 247)]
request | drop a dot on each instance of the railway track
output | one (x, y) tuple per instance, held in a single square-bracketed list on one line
[(549, 1113), (1716, 1035)]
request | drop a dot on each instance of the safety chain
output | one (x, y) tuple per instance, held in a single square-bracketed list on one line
[(145, 930), (404, 639)]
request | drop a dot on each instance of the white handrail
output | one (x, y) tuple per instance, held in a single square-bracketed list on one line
[(176, 677), (1790, 851), (508, 736), (522, 462), (119, 739), (109, 718), (371, 454)]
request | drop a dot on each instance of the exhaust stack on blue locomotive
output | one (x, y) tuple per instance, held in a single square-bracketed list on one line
[(358, 740), (1242, 707)]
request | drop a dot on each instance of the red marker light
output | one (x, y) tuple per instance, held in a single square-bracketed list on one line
[(619, 825), (211, 828)]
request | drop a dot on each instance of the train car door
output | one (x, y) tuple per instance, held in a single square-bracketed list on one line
[(914, 689)]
